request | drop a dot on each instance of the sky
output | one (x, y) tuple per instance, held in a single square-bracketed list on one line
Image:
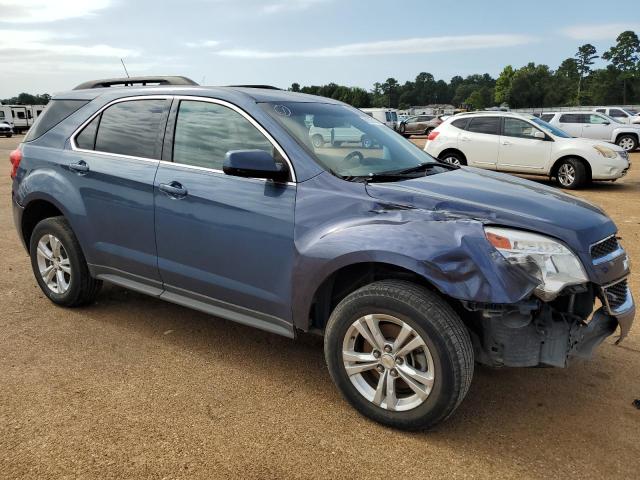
[(49, 46)]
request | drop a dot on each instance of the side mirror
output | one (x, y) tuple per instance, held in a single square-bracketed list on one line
[(254, 164), (539, 134)]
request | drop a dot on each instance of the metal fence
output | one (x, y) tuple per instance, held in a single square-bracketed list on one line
[(570, 109)]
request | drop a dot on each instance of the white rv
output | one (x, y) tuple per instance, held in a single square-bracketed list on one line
[(388, 116)]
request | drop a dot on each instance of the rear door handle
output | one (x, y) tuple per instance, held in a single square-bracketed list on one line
[(80, 167), (465, 139), (506, 142), (173, 189)]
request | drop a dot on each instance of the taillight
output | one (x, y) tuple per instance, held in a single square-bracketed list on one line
[(14, 158), (433, 135)]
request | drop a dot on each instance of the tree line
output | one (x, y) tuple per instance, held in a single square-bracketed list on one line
[(27, 99), (574, 82)]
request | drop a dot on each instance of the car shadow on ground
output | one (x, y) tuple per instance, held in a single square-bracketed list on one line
[(501, 402)]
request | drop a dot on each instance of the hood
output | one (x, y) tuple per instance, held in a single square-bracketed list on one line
[(591, 142), (501, 199)]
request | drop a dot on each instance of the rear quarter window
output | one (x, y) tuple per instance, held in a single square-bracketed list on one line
[(546, 117), (56, 112), (460, 123)]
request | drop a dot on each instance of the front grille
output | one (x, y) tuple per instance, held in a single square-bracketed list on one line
[(604, 247), (616, 295)]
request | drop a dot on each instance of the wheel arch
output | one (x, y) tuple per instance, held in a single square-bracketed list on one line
[(34, 212), (631, 134), (448, 150), (558, 162), (349, 277)]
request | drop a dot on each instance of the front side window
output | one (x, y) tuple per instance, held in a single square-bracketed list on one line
[(206, 131), (514, 127), (597, 119), (131, 128), (488, 125)]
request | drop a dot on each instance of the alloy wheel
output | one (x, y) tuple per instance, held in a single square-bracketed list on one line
[(388, 362), (54, 264), (566, 174), (626, 143), (452, 160)]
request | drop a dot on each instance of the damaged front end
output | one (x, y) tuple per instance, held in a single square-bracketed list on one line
[(553, 326)]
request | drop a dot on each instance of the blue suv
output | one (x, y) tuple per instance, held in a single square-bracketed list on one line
[(216, 198)]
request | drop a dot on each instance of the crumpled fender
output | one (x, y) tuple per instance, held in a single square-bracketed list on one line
[(450, 251)]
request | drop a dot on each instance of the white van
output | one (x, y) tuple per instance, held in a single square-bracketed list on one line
[(388, 116)]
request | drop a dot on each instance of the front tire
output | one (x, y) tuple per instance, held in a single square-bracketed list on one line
[(453, 158), (317, 141), (59, 264), (571, 174), (628, 143), (399, 354)]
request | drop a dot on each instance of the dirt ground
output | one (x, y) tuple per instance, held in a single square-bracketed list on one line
[(132, 387)]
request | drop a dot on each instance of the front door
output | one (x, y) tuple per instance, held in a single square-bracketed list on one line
[(597, 127), (225, 243), (520, 150)]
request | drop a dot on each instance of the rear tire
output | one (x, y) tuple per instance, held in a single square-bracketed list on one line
[(627, 142), (437, 354), (453, 158), (571, 174), (59, 264)]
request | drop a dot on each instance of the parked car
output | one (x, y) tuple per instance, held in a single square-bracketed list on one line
[(419, 125), (412, 269), (6, 129), (6, 115), (388, 116), (522, 143), (596, 126), (623, 115), (338, 135)]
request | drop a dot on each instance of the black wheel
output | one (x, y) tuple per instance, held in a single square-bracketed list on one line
[(367, 142), (59, 264), (454, 158), (317, 141), (427, 131), (402, 128), (399, 354), (627, 142), (571, 174), (9, 135)]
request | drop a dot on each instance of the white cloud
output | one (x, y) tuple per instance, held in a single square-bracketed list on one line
[(203, 44), (40, 11), (391, 47), (607, 31), (45, 43), (289, 5)]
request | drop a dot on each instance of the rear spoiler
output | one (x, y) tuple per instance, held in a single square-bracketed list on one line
[(136, 81)]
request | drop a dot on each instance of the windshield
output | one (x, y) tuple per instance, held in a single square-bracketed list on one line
[(346, 141), (549, 128), (630, 111)]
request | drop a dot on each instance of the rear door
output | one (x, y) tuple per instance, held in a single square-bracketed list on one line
[(480, 141), (225, 243), (116, 155), (520, 150), (572, 123)]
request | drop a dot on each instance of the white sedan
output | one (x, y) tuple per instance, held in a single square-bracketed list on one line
[(521, 143)]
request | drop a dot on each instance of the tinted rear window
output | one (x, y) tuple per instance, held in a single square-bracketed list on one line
[(573, 118), (460, 123), (56, 111), (131, 128), (490, 125), (546, 116)]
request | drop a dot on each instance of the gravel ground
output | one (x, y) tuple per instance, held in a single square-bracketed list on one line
[(133, 387)]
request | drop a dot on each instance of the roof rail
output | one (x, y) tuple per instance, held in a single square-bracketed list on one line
[(136, 81), (267, 87)]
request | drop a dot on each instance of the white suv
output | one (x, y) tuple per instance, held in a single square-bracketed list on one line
[(521, 143), (624, 115), (596, 126)]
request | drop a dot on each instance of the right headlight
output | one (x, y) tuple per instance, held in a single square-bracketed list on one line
[(605, 151), (543, 257)]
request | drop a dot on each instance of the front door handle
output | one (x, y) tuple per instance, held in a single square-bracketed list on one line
[(173, 189), (506, 142), (465, 139), (80, 167)]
